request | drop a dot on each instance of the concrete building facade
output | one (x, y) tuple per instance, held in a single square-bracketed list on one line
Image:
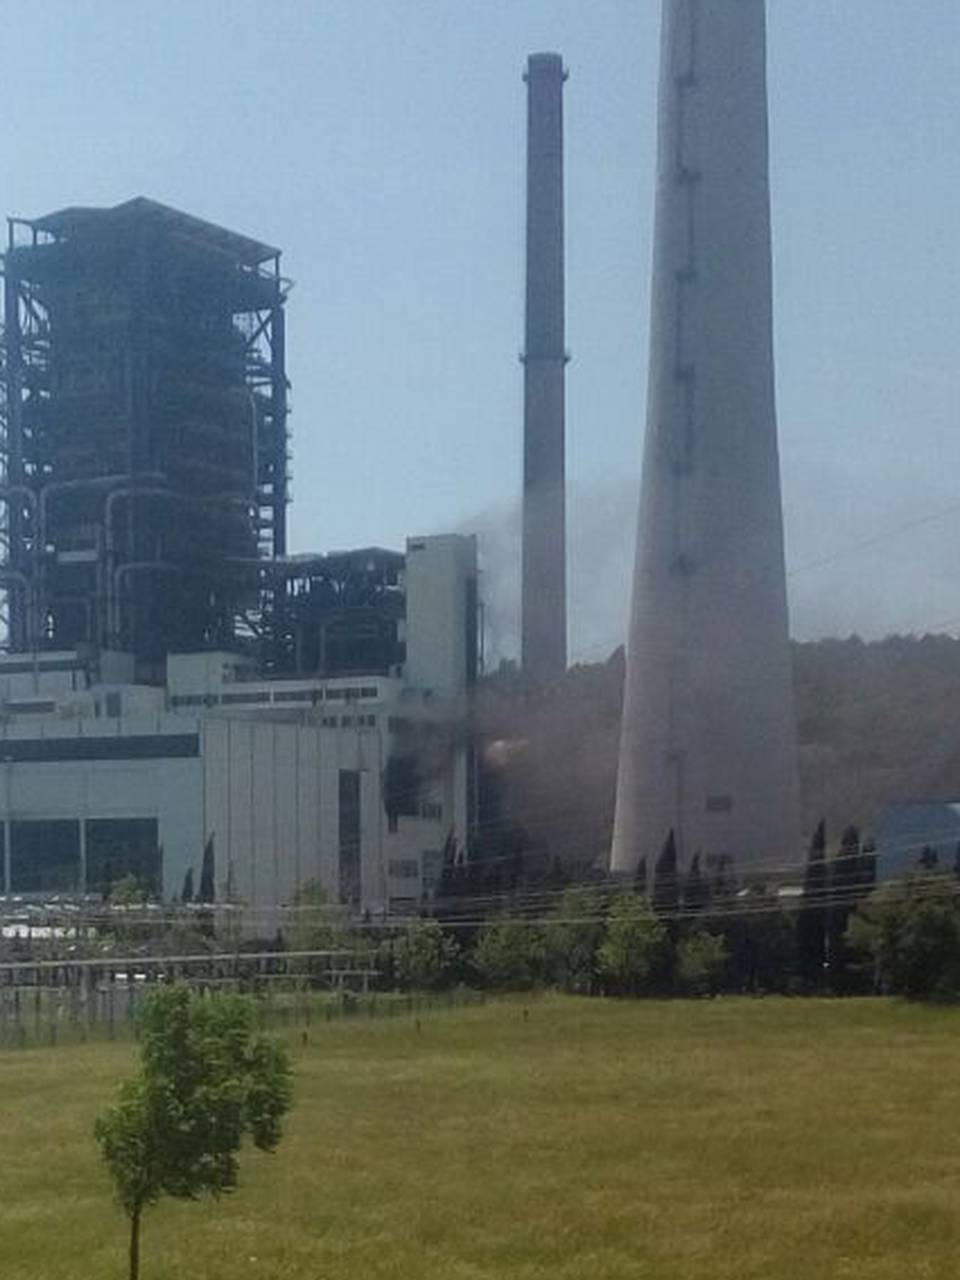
[(362, 782)]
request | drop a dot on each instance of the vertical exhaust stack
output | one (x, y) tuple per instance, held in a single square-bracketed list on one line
[(544, 591), (708, 747)]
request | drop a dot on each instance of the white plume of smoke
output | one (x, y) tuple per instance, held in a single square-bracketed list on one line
[(600, 540), (908, 580)]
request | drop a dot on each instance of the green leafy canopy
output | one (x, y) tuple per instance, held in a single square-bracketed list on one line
[(205, 1082)]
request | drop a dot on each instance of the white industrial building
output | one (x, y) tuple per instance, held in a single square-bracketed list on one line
[(361, 781)]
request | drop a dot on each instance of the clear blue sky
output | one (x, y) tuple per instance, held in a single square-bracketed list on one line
[(380, 144)]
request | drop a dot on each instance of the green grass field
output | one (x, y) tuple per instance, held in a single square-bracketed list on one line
[(729, 1138)]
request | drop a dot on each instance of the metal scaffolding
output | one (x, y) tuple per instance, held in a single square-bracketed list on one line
[(335, 614), (143, 430)]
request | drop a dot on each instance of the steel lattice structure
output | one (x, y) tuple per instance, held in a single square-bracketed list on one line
[(143, 396)]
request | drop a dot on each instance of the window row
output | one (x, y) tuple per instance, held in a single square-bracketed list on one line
[(59, 855), (258, 697)]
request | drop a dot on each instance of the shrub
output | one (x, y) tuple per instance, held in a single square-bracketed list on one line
[(422, 957), (509, 955), (702, 964), (573, 939), (634, 956), (909, 930)]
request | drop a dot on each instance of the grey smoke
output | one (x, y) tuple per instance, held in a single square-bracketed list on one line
[(600, 522), (908, 580)]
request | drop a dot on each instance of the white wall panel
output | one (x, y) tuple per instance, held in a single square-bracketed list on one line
[(288, 854), (264, 853)]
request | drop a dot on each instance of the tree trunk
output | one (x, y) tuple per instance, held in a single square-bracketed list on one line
[(135, 1244)]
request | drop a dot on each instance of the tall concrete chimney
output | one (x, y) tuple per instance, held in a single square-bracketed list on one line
[(544, 592), (708, 747)]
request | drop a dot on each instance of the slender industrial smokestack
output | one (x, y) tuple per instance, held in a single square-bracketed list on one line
[(544, 592), (707, 748)]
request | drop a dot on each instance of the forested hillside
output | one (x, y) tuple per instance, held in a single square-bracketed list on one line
[(876, 722)]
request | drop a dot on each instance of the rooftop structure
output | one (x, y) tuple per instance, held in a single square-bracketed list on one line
[(144, 441)]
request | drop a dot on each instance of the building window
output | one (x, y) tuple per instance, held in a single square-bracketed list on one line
[(113, 705), (297, 695), (329, 722), (45, 856), (247, 698), (192, 700), (370, 691), (34, 707), (349, 836), (120, 847), (118, 746), (401, 789)]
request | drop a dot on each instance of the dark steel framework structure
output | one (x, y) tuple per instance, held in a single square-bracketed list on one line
[(143, 430), (335, 614)]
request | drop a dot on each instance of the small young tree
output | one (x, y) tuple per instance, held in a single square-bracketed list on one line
[(666, 882), (812, 920), (127, 892), (573, 938), (186, 893), (845, 889), (422, 956), (509, 954), (702, 962), (696, 890), (634, 956), (640, 877), (910, 929), (205, 1081), (208, 890)]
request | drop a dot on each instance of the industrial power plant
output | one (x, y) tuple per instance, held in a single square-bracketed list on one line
[(180, 688), (434, 841)]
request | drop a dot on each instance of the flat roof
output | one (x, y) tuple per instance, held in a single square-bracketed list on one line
[(86, 219), (364, 557)]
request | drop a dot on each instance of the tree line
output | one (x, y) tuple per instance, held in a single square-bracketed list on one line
[(701, 932)]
